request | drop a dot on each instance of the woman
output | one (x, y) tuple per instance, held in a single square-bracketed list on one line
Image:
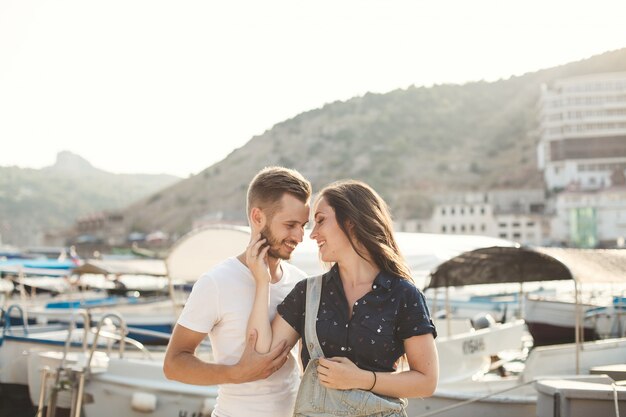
[(370, 313)]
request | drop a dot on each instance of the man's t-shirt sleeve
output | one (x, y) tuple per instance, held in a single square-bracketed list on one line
[(201, 310), (293, 306)]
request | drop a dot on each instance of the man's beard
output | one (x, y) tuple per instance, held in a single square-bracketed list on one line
[(275, 244)]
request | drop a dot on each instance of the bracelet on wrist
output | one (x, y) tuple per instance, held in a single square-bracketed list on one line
[(374, 384)]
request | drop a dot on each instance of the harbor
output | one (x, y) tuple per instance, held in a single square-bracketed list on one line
[(286, 209), (96, 352)]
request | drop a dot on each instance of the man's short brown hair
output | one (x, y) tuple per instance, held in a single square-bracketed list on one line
[(270, 184)]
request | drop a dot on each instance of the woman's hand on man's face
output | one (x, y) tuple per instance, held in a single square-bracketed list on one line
[(256, 258)]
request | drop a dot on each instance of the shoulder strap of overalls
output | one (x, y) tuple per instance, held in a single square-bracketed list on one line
[(313, 295)]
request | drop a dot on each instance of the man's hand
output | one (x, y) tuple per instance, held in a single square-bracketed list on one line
[(253, 366)]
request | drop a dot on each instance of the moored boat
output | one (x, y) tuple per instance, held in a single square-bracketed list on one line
[(490, 394)]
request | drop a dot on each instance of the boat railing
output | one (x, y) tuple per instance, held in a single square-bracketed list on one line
[(75, 376), (8, 329), (121, 337), (62, 371), (132, 342), (70, 330), (122, 340), (619, 305)]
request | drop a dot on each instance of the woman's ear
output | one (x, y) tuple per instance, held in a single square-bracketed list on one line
[(350, 229), (356, 244)]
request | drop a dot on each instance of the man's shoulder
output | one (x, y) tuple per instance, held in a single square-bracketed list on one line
[(230, 265), (224, 270), (294, 271)]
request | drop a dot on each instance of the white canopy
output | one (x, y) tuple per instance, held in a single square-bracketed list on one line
[(497, 264), (199, 250), (154, 267), (422, 251)]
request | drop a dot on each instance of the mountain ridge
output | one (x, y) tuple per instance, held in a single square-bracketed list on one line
[(33, 201), (407, 144)]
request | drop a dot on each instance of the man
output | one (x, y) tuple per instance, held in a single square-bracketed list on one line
[(250, 384)]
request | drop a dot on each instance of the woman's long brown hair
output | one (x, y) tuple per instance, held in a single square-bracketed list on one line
[(361, 213)]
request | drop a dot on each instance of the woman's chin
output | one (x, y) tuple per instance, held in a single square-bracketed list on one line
[(326, 259)]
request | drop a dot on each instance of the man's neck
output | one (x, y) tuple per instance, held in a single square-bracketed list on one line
[(273, 264), (276, 271)]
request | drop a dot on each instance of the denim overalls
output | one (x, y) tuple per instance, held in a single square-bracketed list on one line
[(314, 400)]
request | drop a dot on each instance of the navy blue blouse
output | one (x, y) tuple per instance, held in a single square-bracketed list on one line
[(373, 337)]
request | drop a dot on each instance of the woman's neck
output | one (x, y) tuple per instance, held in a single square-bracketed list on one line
[(355, 271)]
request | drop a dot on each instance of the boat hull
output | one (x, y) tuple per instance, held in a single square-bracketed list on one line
[(135, 388), (552, 322), (545, 334), (521, 402)]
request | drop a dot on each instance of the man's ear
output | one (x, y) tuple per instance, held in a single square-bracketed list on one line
[(257, 218)]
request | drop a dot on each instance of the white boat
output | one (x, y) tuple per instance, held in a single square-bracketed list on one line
[(488, 394), (127, 386), (130, 386), (147, 318), (580, 397), (117, 386), (134, 277), (552, 321), (143, 315), (609, 320), (145, 277), (32, 276), (516, 396), (504, 303), (20, 342), (478, 398), (463, 356)]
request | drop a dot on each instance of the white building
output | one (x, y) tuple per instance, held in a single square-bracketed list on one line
[(509, 214), (583, 130), (467, 218), (529, 229), (591, 218)]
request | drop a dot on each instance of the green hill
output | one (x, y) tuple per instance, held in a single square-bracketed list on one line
[(406, 143), (33, 201)]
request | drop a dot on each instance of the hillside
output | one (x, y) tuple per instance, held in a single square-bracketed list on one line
[(33, 201), (406, 143)]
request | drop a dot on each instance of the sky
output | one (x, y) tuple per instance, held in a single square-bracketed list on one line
[(152, 86)]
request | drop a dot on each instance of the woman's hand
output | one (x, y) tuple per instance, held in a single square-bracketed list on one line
[(342, 373), (256, 258)]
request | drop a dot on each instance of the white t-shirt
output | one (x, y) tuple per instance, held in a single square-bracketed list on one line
[(220, 304)]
